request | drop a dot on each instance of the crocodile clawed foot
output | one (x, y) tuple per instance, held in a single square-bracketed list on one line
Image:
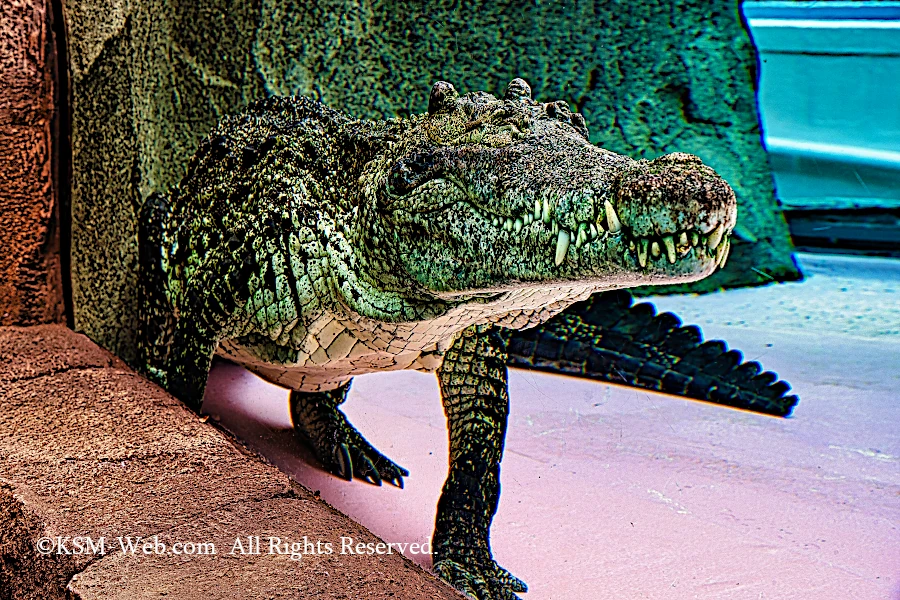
[(337, 444), (481, 580), (358, 458)]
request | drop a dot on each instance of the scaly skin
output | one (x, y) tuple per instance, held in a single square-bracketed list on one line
[(608, 338), (311, 248)]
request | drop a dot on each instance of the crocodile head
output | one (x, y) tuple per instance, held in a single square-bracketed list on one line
[(485, 195)]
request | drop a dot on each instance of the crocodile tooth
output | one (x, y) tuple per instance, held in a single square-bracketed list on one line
[(562, 246), (508, 224), (517, 226), (526, 219), (615, 226), (720, 251), (669, 243), (682, 239), (555, 228), (642, 251), (545, 215), (495, 221), (537, 209), (715, 238), (725, 253), (631, 245), (582, 235), (594, 232), (654, 249), (695, 239)]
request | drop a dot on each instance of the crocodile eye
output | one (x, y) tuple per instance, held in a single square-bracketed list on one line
[(413, 171), (443, 97)]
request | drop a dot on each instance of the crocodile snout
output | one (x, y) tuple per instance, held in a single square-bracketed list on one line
[(674, 193)]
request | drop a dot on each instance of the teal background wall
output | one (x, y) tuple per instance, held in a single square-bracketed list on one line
[(830, 100)]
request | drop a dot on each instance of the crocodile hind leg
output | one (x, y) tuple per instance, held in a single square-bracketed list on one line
[(337, 443), (473, 381)]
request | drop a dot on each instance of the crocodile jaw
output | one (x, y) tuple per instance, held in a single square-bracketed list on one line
[(459, 247)]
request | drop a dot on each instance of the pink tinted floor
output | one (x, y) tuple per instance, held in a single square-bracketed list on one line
[(610, 492)]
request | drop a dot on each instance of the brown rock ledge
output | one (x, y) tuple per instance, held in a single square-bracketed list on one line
[(89, 448)]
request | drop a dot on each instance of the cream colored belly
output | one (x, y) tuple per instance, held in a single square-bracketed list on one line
[(333, 349), (316, 378)]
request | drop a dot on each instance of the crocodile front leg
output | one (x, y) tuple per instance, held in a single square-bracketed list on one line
[(215, 291), (473, 381), (156, 323), (337, 443)]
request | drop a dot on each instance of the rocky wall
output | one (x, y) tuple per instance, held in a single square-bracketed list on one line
[(31, 290)]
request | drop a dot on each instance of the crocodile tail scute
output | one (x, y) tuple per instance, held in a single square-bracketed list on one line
[(609, 338)]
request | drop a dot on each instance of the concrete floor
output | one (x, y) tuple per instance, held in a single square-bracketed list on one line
[(611, 492)]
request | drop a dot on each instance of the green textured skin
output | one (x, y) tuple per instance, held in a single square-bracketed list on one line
[(311, 247)]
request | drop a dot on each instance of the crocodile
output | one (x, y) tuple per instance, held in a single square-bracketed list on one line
[(312, 247)]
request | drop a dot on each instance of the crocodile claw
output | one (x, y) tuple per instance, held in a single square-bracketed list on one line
[(363, 461), (344, 464), (481, 581), (371, 472)]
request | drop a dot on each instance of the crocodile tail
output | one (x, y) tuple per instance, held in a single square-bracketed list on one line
[(609, 338), (156, 320)]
